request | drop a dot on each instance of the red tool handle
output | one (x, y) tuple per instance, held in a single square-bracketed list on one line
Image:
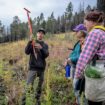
[(30, 24), (29, 20)]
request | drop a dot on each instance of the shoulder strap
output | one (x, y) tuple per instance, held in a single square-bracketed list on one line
[(75, 45), (96, 56), (99, 27)]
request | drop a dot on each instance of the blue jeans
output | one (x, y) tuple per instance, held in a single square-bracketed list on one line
[(73, 67), (75, 83), (76, 92)]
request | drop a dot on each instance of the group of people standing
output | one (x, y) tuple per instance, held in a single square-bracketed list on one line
[(91, 42), (91, 45)]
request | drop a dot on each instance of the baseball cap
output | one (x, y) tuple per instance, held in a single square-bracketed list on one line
[(80, 27), (41, 30)]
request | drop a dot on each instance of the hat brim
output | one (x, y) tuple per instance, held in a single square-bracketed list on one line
[(75, 30), (42, 31)]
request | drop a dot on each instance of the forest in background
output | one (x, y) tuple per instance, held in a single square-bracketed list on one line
[(57, 89), (19, 30)]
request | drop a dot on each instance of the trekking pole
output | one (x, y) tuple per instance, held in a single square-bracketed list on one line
[(31, 33)]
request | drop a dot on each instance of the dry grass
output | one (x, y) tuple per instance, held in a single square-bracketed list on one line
[(15, 64)]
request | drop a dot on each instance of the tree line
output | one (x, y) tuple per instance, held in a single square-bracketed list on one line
[(19, 30)]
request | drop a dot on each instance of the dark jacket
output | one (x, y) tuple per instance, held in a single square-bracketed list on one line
[(42, 54)]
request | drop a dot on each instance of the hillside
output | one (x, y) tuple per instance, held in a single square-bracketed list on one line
[(57, 90)]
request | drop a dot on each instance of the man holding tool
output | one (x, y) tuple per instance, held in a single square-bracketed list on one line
[(38, 52)]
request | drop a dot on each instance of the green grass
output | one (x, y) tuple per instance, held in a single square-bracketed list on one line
[(57, 90)]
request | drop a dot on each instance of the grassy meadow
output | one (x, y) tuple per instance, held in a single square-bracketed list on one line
[(57, 90)]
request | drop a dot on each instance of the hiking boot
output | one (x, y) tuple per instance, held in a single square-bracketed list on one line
[(37, 96), (23, 100), (38, 102)]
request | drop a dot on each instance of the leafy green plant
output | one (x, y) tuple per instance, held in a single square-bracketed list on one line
[(92, 72)]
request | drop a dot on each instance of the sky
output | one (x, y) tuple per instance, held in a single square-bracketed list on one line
[(11, 8)]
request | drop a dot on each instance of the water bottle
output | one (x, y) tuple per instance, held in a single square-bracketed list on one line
[(67, 69)]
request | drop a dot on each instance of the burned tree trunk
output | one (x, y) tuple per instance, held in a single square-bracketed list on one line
[(101, 6)]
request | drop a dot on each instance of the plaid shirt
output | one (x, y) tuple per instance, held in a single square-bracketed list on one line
[(95, 44)]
